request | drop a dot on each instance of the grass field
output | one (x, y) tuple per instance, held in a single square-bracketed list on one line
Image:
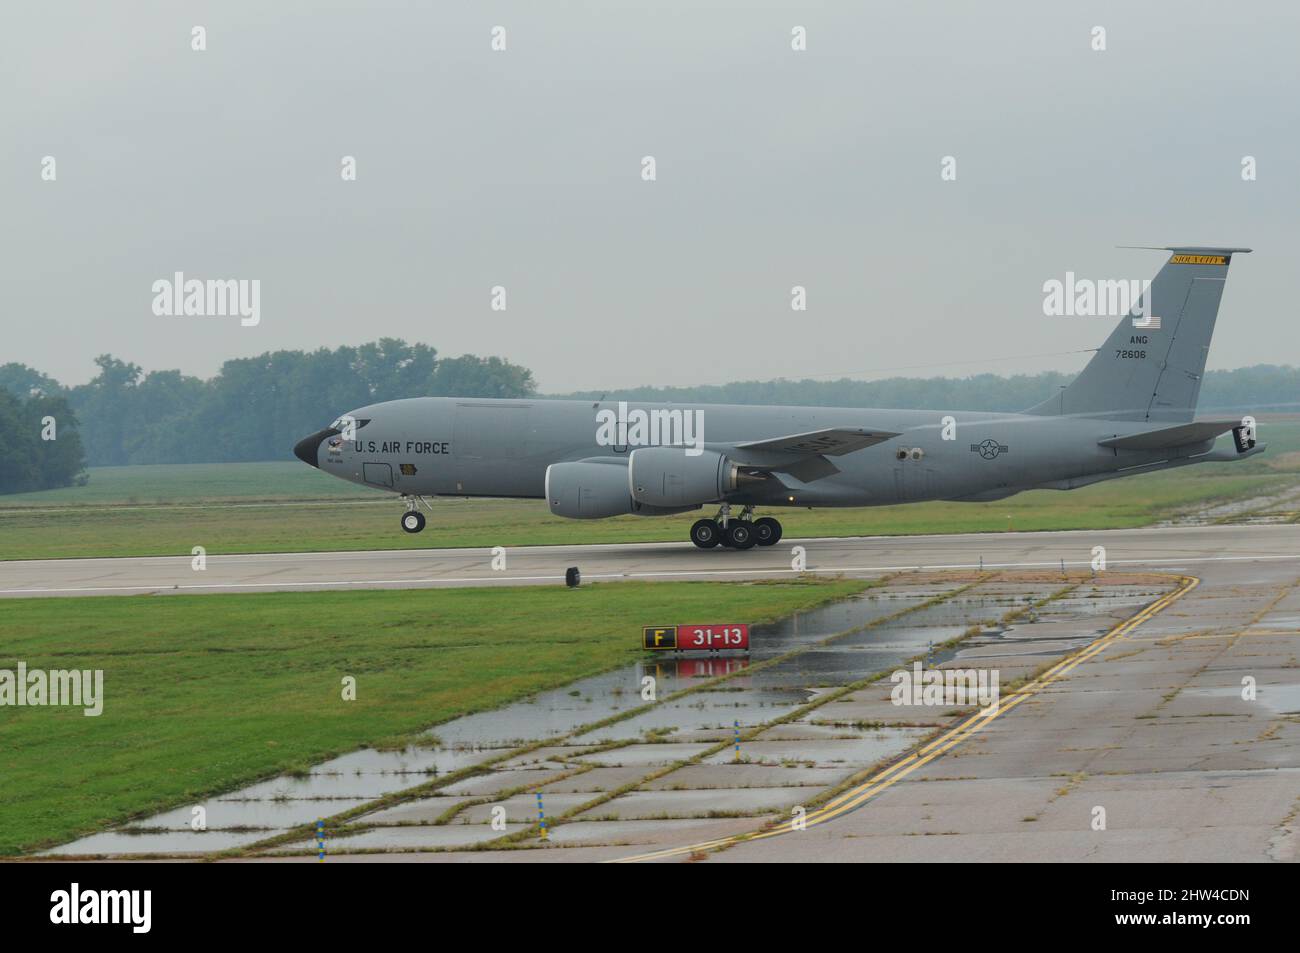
[(287, 507), (204, 693), (195, 483)]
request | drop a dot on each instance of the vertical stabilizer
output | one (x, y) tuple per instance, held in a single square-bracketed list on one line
[(1150, 368)]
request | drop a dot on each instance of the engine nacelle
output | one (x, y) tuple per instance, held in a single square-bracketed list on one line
[(592, 491), (669, 477), (588, 491)]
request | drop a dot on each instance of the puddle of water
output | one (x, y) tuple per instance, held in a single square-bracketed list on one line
[(651, 755), (749, 698), (770, 692), (167, 842), (559, 712), (265, 814), (702, 711), (425, 810), (286, 801), (346, 778), (804, 628), (522, 808), (407, 837)]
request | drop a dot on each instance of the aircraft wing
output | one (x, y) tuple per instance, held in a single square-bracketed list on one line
[(832, 442), (804, 455), (1169, 437)]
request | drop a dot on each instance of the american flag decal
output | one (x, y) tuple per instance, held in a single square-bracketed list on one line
[(1146, 322)]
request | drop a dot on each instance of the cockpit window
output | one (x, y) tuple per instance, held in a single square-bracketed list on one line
[(357, 424)]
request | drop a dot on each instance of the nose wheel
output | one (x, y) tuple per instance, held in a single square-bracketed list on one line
[(413, 519)]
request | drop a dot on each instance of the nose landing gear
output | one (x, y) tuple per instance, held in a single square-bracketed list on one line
[(413, 519), (743, 532)]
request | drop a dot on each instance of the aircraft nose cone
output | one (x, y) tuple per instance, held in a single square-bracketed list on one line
[(308, 448)]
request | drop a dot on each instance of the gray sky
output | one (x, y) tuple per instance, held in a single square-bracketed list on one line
[(775, 168)]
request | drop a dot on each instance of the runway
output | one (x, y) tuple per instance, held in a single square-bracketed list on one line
[(1168, 549)]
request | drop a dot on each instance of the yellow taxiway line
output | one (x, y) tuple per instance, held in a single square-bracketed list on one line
[(860, 793)]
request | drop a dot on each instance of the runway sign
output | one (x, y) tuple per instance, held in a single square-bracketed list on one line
[(696, 638)]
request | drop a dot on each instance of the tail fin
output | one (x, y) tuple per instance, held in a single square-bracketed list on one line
[(1154, 372)]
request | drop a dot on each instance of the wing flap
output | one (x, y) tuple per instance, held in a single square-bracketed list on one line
[(809, 469), (832, 442)]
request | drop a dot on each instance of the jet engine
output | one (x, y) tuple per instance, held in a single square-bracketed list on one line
[(670, 477), (587, 490)]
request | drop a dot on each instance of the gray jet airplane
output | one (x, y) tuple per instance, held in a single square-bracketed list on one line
[(1131, 410)]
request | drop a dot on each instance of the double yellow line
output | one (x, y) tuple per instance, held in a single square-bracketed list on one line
[(863, 792)]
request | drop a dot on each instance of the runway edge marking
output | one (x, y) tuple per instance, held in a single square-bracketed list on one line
[(861, 793)]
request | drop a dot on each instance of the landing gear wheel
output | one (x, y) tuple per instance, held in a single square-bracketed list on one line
[(767, 531), (740, 534), (706, 534), (412, 521)]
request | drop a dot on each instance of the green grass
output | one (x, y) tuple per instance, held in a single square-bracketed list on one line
[(288, 507), (195, 483), (205, 693)]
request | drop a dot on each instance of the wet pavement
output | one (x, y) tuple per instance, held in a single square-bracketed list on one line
[(1180, 741), (652, 771)]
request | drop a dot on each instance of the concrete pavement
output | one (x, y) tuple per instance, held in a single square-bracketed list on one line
[(1169, 548)]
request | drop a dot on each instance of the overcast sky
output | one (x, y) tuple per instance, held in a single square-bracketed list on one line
[(523, 169)]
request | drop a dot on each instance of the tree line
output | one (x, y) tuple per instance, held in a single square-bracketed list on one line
[(255, 408), (1263, 387)]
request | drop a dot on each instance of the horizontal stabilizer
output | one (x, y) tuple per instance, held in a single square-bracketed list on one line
[(1167, 438), (833, 442)]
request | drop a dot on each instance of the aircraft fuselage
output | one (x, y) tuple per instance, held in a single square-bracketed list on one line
[(433, 446)]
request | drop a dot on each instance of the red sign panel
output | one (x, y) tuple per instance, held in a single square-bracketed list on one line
[(712, 637), (696, 638)]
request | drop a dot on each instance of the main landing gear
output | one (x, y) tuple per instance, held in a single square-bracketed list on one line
[(413, 519), (742, 532)]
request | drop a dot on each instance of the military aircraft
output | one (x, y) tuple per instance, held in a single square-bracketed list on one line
[(1131, 410)]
